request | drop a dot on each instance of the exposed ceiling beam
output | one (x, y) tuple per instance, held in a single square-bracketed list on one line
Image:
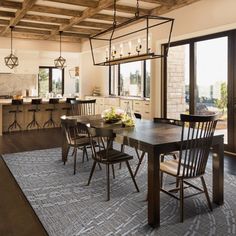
[(4, 22), (11, 5), (37, 25), (7, 14), (178, 4), (26, 5), (162, 2), (46, 19), (83, 30), (54, 10), (128, 9), (90, 3), (95, 24), (108, 17), (86, 13)]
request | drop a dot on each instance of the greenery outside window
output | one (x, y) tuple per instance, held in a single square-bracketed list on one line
[(130, 79), (50, 80)]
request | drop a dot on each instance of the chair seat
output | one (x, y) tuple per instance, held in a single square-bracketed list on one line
[(112, 156), (81, 141)]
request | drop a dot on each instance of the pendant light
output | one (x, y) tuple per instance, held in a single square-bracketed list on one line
[(60, 62), (121, 34), (11, 61)]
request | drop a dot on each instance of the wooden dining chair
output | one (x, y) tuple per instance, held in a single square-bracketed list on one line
[(76, 137), (103, 153), (196, 139), (83, 107)]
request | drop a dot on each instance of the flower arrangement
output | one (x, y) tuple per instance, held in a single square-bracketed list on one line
[(115, 115)]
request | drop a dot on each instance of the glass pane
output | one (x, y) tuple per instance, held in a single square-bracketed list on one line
[(178, 81), (43, 82), (148, 78), (211, 72), (57, 81), (131, 79)]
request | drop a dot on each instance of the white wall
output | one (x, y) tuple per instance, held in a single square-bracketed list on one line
[(200, 18), (35, 53)]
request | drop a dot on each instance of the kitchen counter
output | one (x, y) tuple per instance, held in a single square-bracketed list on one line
[(25, 117)]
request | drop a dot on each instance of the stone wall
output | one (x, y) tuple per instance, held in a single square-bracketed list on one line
[(176, 82), (17, 84)]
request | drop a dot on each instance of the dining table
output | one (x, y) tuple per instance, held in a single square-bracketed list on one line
[(154, 139)]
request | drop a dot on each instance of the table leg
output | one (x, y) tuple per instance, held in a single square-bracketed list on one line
[(153, 189), (218, 172), (64, 148)]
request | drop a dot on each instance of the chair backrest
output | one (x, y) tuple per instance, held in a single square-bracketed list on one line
[(138, 115), (36, 101), (70, 99), (168, 121), (102, 139), (70, 129), (54, 100), (83, 107), (196, 140), (17, 102)]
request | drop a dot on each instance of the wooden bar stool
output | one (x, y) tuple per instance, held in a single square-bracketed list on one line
[(35, 103), (68, 109), (50, 121), (15, 124)]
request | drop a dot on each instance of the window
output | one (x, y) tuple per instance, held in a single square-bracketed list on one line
[(130, 79), (196, 79), (50, 79)]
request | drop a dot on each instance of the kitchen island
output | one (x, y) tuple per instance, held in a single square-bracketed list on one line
[(25, 117)]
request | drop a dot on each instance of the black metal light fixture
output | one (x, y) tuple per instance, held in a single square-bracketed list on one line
[(113, 35), (60, 62), (11, 61)]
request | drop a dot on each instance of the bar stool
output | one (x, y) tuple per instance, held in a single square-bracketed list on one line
[(15, 124), (36, 103), (68, 109), (50, 121)]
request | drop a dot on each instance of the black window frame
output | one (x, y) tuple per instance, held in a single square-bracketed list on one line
[(50, 77), (118, 77)]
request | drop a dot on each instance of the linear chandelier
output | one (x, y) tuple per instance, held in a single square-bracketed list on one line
[(11, 61), (116, 39), (60, 62)]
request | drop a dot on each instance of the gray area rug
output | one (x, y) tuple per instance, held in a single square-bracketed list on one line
[(66, 206)]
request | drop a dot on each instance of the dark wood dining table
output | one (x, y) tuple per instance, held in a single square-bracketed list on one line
[(155, 138)]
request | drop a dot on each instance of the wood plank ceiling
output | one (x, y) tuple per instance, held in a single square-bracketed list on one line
[(78, 19)]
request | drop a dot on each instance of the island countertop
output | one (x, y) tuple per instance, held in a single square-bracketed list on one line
[(28, 101)]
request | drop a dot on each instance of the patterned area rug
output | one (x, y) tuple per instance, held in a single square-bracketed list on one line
[(66, 206)]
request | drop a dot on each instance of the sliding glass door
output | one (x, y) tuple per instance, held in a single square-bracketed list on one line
[(197, 80)]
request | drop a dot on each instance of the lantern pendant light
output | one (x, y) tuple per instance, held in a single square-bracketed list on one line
[(60, 62), (11, 61)]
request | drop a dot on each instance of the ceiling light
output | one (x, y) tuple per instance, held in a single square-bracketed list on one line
[(125, 44), (11, 61), (60, 62)]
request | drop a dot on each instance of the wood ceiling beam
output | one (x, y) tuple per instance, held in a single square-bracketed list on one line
[(7, 14), (178, 4), (95, 24), (70, 34), (162, 2), (11, 5), (54, 10), (26, 5), (38, 25), (109, 17), (46, 19), (83, 3), (83, 30), (86, 14), (32, 31), (127, 9), (4, 22)]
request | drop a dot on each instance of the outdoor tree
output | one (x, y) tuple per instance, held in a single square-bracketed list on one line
[(222, 102)]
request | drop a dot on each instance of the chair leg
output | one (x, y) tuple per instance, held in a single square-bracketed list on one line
[(122, 148), (113, 171), (75, 155), (99, 166), (181, 200), (206, 192), (86, 153), (132, 176), (108, 182), (139, 163), (91, 172)]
